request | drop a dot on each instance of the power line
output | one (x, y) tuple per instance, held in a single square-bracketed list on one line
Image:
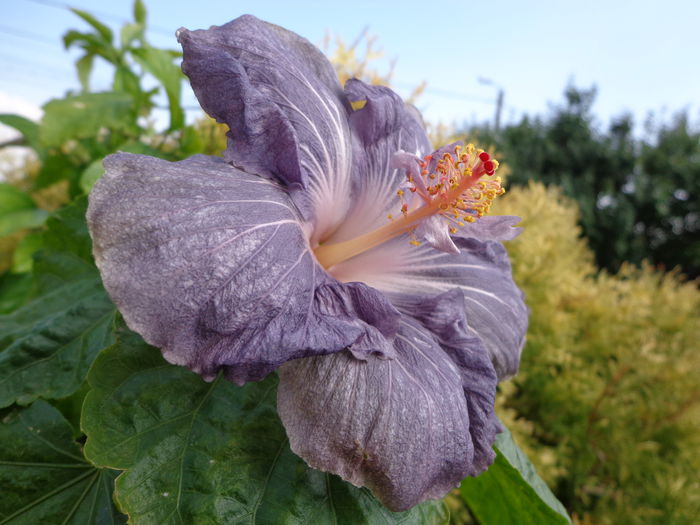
[(107, 16), (34, 66), (26, 34), (447, 93)]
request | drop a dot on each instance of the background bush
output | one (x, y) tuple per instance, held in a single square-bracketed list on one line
[(607, 399)]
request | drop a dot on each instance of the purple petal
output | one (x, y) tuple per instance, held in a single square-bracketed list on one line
[(445, 317), (434, 230), (212, 265), (385, 115), (401, 426), (410, 163), (287, 113), (496, 310), (382, 127)]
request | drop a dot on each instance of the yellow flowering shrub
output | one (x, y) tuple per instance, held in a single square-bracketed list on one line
[(607, 400)]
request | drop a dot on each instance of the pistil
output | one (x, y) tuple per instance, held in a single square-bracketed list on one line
[(452, 189)]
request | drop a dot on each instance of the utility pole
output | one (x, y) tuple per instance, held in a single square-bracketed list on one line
[(499, 108), (499, 101)]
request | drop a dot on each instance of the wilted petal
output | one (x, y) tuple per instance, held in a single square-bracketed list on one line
[(212, 265), (496, 310), (383, 126), (445, 317), (287, 113), (398, 426), (384, 115)]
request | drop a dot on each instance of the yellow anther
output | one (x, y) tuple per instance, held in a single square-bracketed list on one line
[(452, 187)]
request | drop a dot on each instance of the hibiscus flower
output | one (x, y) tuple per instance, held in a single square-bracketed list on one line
[(328, 245)]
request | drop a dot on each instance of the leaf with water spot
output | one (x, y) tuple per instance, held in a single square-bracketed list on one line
[(197, 452)]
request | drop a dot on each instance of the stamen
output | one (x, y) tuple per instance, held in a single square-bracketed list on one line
[(450, 187)]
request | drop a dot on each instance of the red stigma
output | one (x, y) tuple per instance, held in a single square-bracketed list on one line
[(484, 157)]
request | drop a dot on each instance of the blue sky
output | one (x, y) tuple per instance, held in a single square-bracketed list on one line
[(642, 55)]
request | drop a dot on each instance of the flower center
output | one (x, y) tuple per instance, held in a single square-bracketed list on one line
[(449, 186)]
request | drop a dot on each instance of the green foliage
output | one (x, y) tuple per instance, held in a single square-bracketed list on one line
[(196, 452), (14, 289), (81, 129), (665, 196), (513, 454), (44, 476), (17, 210), (635, 196), (133, 49), (607, 399), (496, 497), (159, 63), (510, 491), (83, 116), (47, 345), (28, 129)]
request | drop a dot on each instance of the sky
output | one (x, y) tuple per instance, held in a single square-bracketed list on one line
[(642, 55)]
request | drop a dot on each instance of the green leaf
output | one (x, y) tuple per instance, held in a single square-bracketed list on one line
[(18, 211), (23, 257), (159, 63), (131, 32), (104, 31), (72, 36), (93, 45), (140, 12), (14, 291), (55, 167), (84, 116), (511, 492), (21, 219), (84, 67), (197, 452), (28, 128), (126, 80), (91, 174), (44, 476), (48, 344), (71, 407), (518, 459)]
